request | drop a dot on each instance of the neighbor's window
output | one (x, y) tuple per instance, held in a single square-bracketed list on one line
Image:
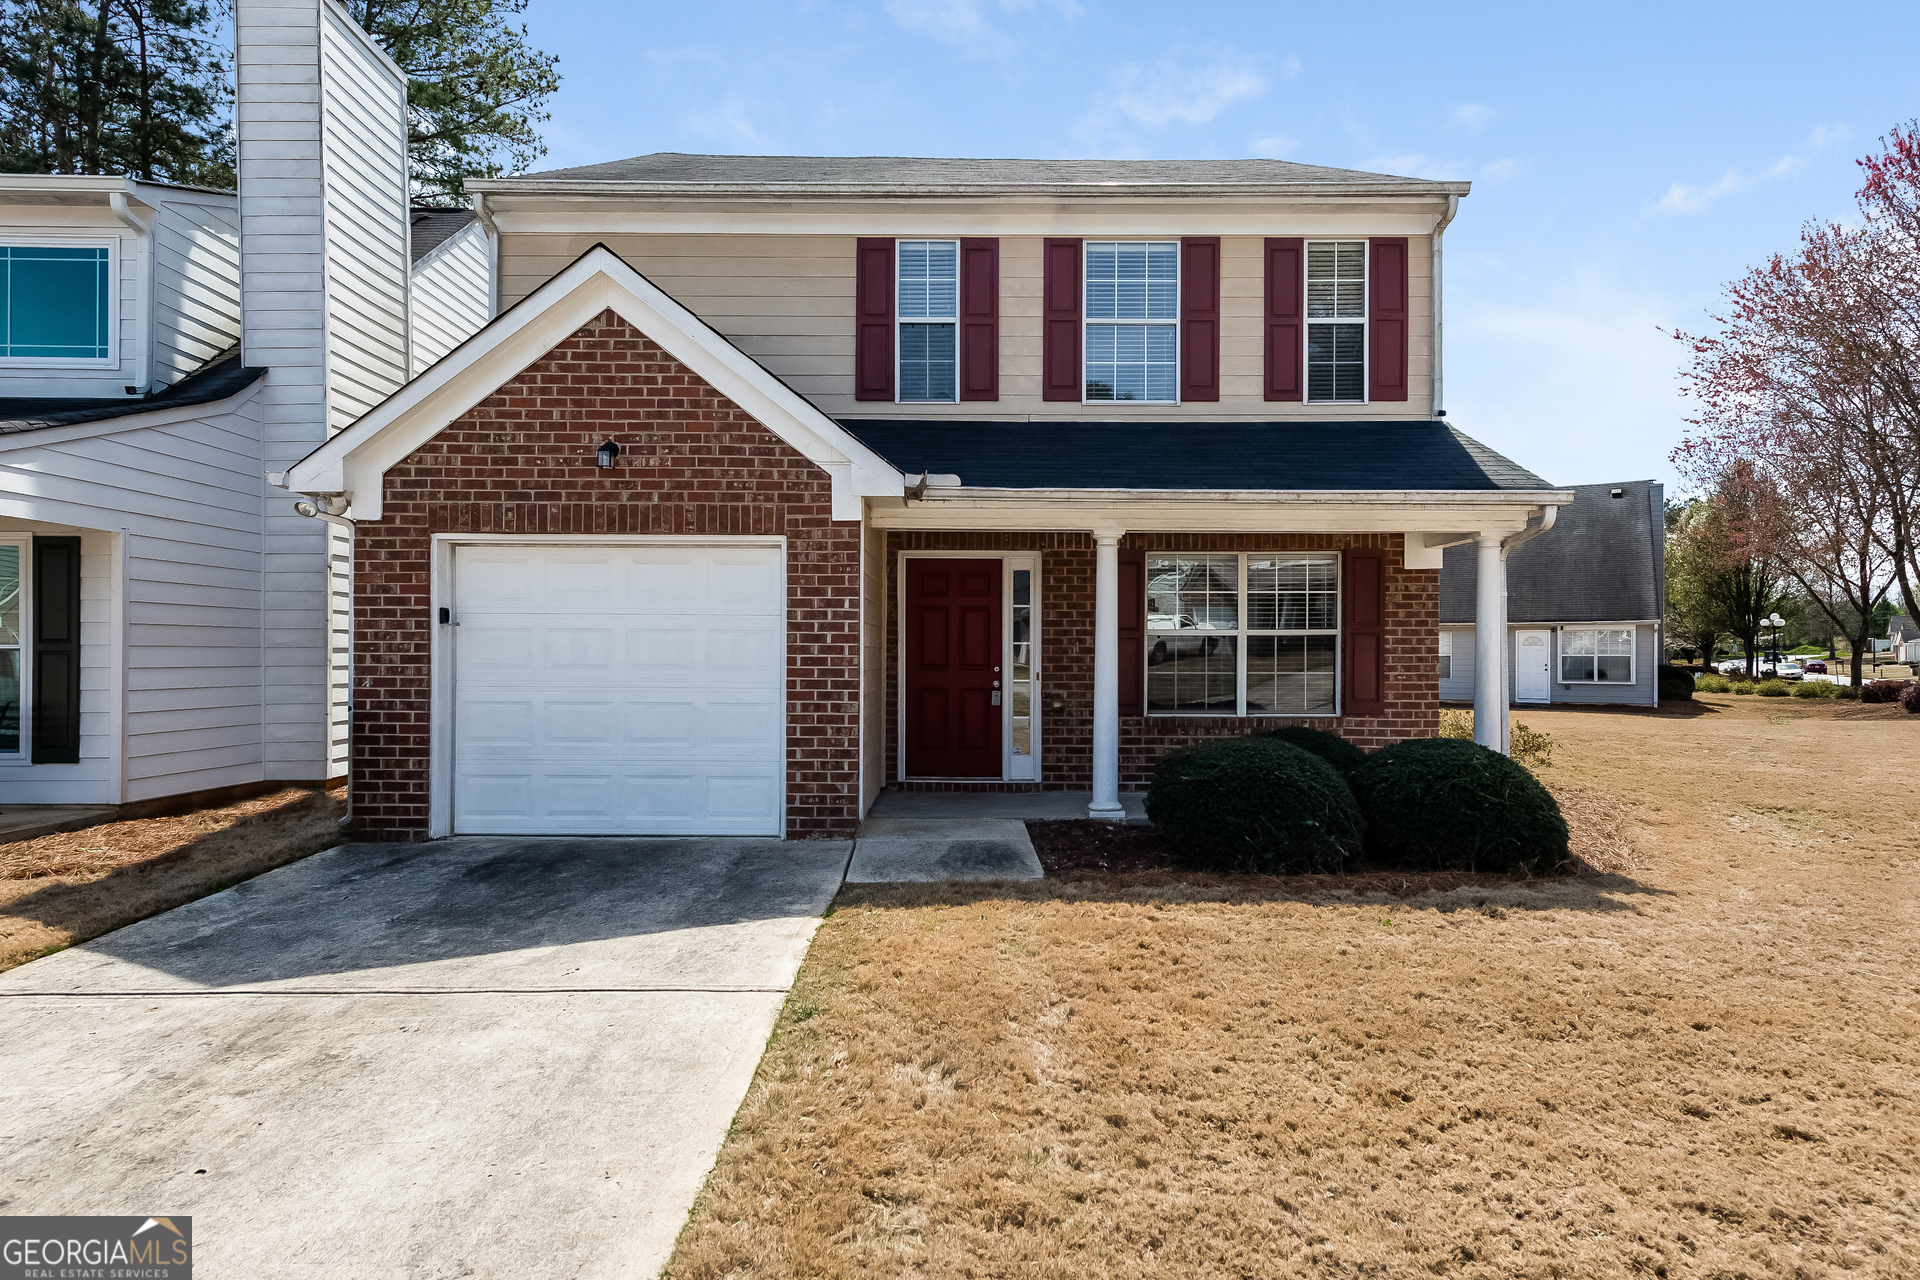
[(1243, 634), (1596, 657), (929, 319), (1336, 320), (1132, 320), (11, 688), (57, 303), (1446, 655)]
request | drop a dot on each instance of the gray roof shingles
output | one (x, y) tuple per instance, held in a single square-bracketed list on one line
[(676, 168), (1422, 455), (217, 379), (1604, 560), (434, 227)]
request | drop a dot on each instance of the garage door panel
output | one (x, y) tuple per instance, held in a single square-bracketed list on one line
[(629, 690)]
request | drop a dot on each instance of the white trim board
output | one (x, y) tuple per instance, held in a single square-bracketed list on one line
[(355, 461)]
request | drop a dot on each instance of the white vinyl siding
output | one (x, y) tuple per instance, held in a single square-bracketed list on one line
[(927, 340), (1446, 655), (1243, 634), (451, 295), (196, 283), (1459, 686), (1131, 318), (1337, 321), (787, 301)]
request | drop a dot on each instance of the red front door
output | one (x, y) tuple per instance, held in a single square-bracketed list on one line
[(953, 668)]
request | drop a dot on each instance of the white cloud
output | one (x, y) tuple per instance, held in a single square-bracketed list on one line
[(1500, 170), (1683, 197), (729, 120), (1471, 116), (1827, 135), (1170, 92), (1414, 165), (1272, 148), (1505, 359), (974, 26)]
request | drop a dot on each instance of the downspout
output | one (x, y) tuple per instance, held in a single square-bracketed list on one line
[(1439, 324), (492, 228), (143, 272)]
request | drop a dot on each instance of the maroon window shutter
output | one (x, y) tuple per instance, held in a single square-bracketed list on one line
[(873, 320), (1387, 319), (1200, 318), (980, 319), (1363, 632), (1286, 313), (1133, 633), (1060, 342)]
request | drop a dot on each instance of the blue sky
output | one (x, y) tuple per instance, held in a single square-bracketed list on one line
[(1626, 160)]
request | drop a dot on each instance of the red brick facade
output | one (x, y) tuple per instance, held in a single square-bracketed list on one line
[(1066, 640), (522, 461)]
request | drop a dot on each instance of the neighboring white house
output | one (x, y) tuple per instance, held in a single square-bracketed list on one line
[(1903, 638), (1585, 601), (169, 624), (452, 282)]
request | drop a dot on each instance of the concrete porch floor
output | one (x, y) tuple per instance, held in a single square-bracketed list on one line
[(1025, 806)]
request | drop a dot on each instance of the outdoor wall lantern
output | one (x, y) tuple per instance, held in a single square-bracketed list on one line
[(607, 452)]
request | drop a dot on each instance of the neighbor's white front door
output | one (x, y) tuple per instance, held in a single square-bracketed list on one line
[(619, 690), (1532, 666)]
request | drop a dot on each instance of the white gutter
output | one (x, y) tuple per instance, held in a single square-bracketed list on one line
[(1439, 311), (1515, 541), (1550, 499), (117, 200)]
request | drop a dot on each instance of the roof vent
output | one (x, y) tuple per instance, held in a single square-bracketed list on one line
[(1617, 493)]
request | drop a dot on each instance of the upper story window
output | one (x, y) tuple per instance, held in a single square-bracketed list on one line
[(1336, 320), (1132, 320), (929, 319), (56, 303)]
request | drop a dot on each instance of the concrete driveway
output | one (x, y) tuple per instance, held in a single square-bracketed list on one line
[(481, 1057)]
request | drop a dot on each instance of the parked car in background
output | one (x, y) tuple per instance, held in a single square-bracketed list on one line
[(1785, 669), (1814, 667)]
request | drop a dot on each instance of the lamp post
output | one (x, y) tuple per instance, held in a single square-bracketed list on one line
[(1776, 622)]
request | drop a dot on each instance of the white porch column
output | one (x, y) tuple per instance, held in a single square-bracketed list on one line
[(1106, 677), (1490, 646)]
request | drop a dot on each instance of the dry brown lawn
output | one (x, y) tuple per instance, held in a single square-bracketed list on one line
[(66, 888), (1705, 1066)]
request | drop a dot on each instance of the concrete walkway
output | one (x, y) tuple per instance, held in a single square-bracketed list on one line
[(1025, 806), (482, 1057)]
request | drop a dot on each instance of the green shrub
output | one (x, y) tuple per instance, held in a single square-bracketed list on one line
[(1675, 685), (1812, 689), (1439, 803), (1846, 693), (1255, 804), (1712, 684), (1742, 685), (1332, 748), (1774, 689)]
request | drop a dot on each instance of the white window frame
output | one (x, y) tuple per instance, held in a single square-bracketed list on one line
[(1633, 655), (114, 302), (1365, 320), (24, 542), (900, 322), (1241, 633), (1446, 654), (1086, 323)]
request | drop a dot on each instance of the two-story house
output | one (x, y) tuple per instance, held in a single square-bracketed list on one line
[(170, 626), (777, 481)]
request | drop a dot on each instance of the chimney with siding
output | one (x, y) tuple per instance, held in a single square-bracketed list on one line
[(321, 122)]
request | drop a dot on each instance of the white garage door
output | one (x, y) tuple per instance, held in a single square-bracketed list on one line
[(618, 690)]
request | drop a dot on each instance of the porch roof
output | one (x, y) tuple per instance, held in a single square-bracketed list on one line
[(1340, 456)]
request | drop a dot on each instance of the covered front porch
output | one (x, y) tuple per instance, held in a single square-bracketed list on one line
[(1059, 643)]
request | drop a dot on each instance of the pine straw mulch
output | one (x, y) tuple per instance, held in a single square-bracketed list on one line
[(1139, 856), (64, 888)]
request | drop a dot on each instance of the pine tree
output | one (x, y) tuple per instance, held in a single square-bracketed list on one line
[(139, 87)]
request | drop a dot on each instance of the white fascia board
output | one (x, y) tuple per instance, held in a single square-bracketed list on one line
[(1235, 511), (130, 422), (357, 459), (978, 216)]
